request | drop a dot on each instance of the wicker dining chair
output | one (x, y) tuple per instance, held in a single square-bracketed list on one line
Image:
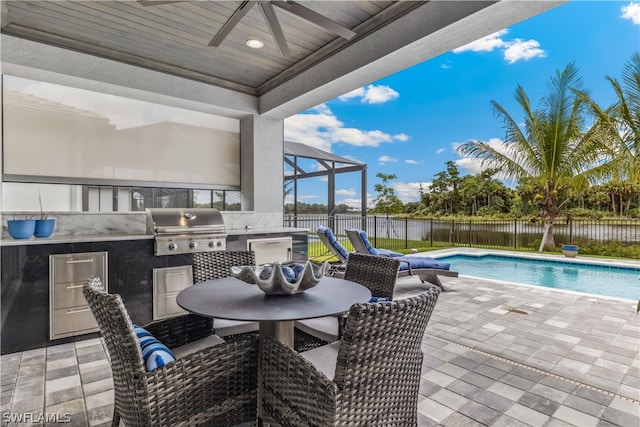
[(374, 376), (216, 265), (206, 385), (378, 274)]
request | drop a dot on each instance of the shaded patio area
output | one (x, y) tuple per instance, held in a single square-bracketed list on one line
[(496, 354)]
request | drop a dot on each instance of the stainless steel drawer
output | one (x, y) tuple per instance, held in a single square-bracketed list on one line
[(271, 249), (167, 284), (68, 295), (78, 267), (73, 321), (69, 313)]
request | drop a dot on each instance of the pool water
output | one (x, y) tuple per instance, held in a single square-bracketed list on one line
[(603, 279)]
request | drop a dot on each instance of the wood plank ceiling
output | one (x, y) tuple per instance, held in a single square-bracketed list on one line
[(174, 37)]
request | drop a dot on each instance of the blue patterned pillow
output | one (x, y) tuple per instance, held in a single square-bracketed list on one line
[(154, 353), (378, 299)]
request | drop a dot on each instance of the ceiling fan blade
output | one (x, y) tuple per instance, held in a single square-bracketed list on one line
[(276, 30), (158, 2), (231, 23), (315, 18)]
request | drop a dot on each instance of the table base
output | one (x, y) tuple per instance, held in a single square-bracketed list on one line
[(280, 330)]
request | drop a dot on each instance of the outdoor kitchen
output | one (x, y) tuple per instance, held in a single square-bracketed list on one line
[(132, 246)]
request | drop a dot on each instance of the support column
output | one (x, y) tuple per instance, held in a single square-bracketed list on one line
[(261, 164)]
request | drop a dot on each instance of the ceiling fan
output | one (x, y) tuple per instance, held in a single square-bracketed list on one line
[(269, 14)]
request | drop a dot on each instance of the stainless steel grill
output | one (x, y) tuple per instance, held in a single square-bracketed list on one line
[(189, 230)]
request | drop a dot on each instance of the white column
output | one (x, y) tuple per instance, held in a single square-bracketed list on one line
[(262, 165)]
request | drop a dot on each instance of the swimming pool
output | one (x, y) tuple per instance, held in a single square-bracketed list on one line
[(600, 279)]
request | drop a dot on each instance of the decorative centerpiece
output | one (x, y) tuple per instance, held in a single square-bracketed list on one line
[(282, 279)]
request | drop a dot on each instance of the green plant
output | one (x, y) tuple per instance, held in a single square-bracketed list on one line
[(42, 214)]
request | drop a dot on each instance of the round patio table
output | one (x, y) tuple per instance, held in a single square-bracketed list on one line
[(233, 299)]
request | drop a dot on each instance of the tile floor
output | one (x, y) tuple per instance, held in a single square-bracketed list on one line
[(496, 354)]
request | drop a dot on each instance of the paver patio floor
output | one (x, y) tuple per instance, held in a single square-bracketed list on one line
[(496, 354)]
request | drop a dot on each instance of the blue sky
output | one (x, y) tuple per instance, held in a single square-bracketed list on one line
[(409, 123)]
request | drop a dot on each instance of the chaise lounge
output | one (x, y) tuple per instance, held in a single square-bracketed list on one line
[(426, 268)]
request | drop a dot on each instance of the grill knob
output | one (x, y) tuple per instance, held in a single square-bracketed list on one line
[(193, 245), (173, 246), (212, 244), (219, 243)]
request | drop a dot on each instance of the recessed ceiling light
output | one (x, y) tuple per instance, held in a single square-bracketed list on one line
[(255, 43)]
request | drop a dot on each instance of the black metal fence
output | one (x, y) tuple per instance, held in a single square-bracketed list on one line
[(407, 233)]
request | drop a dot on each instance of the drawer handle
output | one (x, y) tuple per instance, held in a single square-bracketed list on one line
[(74, 286), (82, 310), (78, 261), (174, 296), (174, 273)]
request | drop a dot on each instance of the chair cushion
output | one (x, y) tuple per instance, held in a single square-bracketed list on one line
[(201, 344), (324, 358), (389, 253), (325, 328), (224, 327), (367, 243), (331, 238), (422, 262), (373, 251), (154, 354)]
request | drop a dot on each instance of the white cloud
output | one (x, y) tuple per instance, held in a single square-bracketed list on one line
[(485, 44), (384, 159), (301, 198), (632, 12), (409, 191), (411, 162), (523, 49), (320, 128), (440, 150), (371, 94), (512, 50), (352, 203), (345, 192), (474, 166)]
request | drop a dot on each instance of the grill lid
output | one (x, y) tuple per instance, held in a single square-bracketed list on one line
[(169, 221)]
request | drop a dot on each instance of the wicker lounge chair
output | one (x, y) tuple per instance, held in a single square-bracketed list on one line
[(428, 269), (210, 382), (370, 377), (376, 273), (216, 265)]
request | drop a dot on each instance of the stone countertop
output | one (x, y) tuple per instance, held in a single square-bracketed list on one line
[(271, 230), (88, 238)]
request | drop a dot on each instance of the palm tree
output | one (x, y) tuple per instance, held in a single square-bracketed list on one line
[(619, 128), (551, 149)]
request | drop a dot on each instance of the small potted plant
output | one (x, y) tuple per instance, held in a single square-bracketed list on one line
[(570, 251), (21, 228), (44, 227)]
